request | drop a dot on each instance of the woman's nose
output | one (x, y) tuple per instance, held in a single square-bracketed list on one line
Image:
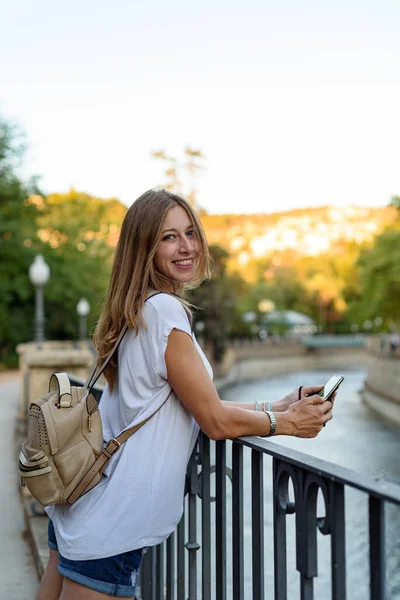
[(186, 244)]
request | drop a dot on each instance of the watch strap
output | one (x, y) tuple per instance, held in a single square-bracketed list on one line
[(273, 423)]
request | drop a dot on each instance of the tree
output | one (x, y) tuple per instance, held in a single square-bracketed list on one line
[(75, 232), (181, 176), (78, 233), (20, 204), (379, 272), (395, 201), (217, 300)]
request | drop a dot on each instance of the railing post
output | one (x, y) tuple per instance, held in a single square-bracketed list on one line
[(338, 541), (205, 516), (171, 567), (147, 576), (280, 500), (159, 572), (257, 512), (237, 522), (192, 545), (377, 548), (181, 558), (220, 516)]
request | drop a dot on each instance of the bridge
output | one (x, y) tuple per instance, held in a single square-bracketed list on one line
[(312, 342)]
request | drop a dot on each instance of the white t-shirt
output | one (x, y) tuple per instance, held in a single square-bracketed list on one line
[(139, 502)]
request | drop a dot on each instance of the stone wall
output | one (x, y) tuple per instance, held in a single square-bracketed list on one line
[(38, 363), (279, 360), (381, 390)]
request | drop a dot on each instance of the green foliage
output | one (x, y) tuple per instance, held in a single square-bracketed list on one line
[(380, 279), (218, 302), (78, 233), (18, 242)]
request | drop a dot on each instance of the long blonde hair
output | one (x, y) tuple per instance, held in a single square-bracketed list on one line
[(134, 273)]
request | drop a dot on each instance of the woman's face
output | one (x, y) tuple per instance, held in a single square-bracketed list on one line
[(178, 248)]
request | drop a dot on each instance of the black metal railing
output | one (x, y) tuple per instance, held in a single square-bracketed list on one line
[(219, 549), (264, 521)]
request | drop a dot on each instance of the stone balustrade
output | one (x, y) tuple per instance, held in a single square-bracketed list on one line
[(381, 390), (37, 363)]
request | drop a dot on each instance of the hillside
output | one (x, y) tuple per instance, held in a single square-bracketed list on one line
[(307, 232)]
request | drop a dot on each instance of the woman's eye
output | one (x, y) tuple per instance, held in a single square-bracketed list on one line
[(170, 236), (191, 233)]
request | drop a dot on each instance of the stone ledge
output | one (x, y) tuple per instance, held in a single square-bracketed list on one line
[(387, 409)]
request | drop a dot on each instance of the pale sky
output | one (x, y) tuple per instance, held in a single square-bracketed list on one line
[(293, 103)]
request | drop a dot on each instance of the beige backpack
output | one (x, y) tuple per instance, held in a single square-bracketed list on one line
[(64, 456)]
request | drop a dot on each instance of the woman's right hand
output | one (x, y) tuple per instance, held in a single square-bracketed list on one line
[(304, 418)]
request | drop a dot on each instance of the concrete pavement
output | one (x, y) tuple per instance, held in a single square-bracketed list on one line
[(18, 575)]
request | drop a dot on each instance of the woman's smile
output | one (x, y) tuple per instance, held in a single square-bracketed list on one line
[(184, 264)]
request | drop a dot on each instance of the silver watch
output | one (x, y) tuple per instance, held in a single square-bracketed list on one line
[(273, 423)]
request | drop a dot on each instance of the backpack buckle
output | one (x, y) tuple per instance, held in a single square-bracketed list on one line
[(117, 445)]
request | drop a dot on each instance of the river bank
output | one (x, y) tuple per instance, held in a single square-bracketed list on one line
[(243, 368), (380, 390)]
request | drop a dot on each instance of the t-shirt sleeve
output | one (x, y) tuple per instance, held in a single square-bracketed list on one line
[(162, 314)]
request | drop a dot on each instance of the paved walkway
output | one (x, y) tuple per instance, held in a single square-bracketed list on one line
[(18, 576)]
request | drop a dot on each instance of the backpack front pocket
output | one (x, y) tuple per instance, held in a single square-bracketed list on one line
[(39, 476), (33, 462)]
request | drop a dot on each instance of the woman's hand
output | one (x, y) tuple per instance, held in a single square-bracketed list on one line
[(306, 417), (306, 390)]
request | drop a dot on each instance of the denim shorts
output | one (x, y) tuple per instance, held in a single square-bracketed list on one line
[(114, 575)]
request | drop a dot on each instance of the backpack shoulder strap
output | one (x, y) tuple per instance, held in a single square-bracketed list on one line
[(111, 447), (96, 371)]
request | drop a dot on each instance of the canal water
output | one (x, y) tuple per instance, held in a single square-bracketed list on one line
[(355, 439)]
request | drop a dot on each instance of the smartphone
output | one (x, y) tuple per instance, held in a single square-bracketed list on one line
[(330, 387)]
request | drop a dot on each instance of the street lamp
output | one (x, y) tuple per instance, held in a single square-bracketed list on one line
[(367, 325), (83, 309), (39, 273), (199, 326), (266, 305)]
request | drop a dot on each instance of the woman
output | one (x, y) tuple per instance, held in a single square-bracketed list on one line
[(96, 544)]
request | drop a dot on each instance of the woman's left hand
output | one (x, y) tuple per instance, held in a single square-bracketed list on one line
[(307, 390)]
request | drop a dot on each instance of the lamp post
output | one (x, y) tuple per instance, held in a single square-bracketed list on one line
[(83, 309), (265, 306), (39, 274)]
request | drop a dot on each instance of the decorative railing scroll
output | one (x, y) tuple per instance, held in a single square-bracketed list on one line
[(218, 551)]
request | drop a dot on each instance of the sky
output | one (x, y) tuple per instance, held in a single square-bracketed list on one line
[(294, 103)]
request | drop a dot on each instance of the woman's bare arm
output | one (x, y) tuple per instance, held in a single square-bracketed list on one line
[(276, 406), (194, 387)]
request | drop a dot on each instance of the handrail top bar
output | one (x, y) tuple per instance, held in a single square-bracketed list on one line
[(374, 487)]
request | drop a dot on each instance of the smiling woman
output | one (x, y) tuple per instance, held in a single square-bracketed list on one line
[(158, 377), (178, 250)]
